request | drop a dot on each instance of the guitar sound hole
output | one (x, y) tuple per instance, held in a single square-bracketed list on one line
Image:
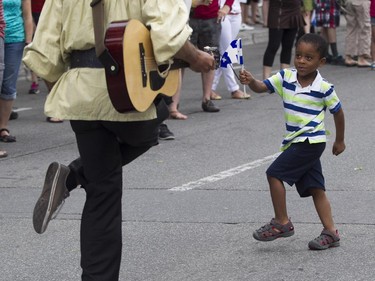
[(156, 82)]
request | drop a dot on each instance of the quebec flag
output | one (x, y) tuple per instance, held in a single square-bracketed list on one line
[(233, 54)]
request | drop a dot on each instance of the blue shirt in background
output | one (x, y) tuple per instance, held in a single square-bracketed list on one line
[(14, 31)]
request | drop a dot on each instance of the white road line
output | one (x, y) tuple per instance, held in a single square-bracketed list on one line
[(22, 109), (224, 174)]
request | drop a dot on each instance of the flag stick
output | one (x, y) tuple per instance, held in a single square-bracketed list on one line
[(244, 86), (234, 72), (241, 60)]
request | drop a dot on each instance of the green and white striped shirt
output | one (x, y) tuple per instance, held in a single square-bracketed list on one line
[(304, 108)]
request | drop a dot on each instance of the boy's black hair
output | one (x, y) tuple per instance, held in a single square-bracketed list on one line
[(318, 41)]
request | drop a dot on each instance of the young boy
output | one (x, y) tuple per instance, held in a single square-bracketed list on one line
[(305, 95)]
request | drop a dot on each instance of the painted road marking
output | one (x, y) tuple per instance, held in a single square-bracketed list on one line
[(225, 174), (22, 109)]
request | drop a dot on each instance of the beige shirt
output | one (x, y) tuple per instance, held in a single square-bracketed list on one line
[(66, 25)]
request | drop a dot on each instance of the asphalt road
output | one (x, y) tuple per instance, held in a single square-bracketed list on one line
[(190, 205)]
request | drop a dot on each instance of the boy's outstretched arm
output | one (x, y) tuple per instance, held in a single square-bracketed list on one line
[(339, 144), (246, 78)]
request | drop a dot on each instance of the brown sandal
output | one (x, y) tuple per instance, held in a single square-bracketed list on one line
[(7, 137)]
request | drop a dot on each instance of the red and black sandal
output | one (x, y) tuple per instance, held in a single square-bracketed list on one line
[(274, 230), (325, 240)]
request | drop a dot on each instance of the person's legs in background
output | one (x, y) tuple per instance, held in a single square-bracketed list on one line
[(287, 42), (351, 39), (245, 4), (3, 153), (206, 33), (373, 42), (34, 87), (12, 60), (308, 6), (274, 41), (254, 11), (329, 33), (245, 15), (364, 34), (265, 6), (174, 113)]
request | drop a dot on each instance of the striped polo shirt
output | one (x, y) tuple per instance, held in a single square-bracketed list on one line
[(304, 108)]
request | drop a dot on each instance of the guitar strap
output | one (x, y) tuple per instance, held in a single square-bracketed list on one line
[(110, 64)]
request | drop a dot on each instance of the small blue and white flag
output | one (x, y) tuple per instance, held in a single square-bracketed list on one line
[(233, 54)]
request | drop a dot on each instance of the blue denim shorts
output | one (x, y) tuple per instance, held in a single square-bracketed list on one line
[(1, 60), (12, 59), (300, 165), (206, 32), (373, 21)]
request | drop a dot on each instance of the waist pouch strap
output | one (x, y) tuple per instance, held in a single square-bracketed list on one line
[(86, 58)]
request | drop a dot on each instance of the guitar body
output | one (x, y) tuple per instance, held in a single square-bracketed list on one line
[(137, 83), (116, 84)]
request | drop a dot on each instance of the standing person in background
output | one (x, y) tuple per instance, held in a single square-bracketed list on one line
[(372, 14), (327, 13), (265, 6), (106, 139), (358, 33), (174, 112), (254, 11), (18, 32), (245, 4), (36, 9), (307, 10), (206, 24), (3, 153), (230, 27), (284, 20)]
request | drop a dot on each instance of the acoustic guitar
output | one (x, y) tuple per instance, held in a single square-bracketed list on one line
[(138, 80)]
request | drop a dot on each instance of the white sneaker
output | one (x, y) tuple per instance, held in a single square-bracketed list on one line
[(245, 26)]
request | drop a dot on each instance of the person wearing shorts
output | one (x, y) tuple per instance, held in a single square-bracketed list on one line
[(305, 95), (300, 166), (206, 24)]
